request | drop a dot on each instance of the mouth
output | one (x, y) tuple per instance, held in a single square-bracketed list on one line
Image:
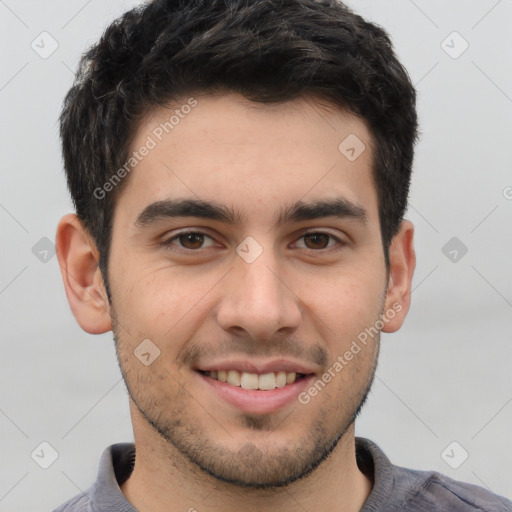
[(251, 391), (256, 381)]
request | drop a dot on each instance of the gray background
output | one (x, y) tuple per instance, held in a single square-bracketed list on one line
[(445, 377)]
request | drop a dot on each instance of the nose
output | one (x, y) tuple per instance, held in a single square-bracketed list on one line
[(258, 300)]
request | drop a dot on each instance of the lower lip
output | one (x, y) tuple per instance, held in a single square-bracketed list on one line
[(253, 401)]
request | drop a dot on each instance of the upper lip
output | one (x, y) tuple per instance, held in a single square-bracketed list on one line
[(255, 366)]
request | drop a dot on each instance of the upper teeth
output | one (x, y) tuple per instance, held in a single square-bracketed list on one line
[(264, 381)]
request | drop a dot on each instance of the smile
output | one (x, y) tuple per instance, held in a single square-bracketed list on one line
[(246, 380)]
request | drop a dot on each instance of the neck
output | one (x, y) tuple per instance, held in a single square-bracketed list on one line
[(164, 480)]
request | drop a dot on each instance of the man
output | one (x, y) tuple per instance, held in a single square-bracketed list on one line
[(240, 171)]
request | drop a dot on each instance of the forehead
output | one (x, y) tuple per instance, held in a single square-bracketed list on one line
[(249, 156)]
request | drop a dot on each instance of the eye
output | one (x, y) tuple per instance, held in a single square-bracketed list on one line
[(190, 240), (318, 241)]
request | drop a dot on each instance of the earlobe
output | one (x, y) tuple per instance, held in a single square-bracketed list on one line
[(83, 283), (402, 262)]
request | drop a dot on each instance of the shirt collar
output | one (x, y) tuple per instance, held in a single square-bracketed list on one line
[(117, 462)]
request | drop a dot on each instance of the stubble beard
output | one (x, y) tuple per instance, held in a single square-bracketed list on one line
[(251, 466)]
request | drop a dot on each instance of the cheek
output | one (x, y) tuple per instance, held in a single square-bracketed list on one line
[(344, 312), (164, 302), (347, 299)]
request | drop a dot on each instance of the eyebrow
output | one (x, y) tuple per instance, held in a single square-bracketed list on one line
[(296, 212)]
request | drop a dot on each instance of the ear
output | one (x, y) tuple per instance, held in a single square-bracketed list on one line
[(85, 290), (402, 262)]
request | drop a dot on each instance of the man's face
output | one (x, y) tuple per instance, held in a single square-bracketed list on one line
[(262, 292)]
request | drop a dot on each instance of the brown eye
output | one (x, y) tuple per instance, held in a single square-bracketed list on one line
[(316, 240), (191, 240), (321, 242)]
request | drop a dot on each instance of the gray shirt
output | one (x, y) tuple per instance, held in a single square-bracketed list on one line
[(395, 489)]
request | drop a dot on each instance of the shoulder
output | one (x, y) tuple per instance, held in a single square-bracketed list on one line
[(400, 489), (432, 491)]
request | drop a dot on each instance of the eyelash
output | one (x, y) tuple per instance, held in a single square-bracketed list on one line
[(167, 244)]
